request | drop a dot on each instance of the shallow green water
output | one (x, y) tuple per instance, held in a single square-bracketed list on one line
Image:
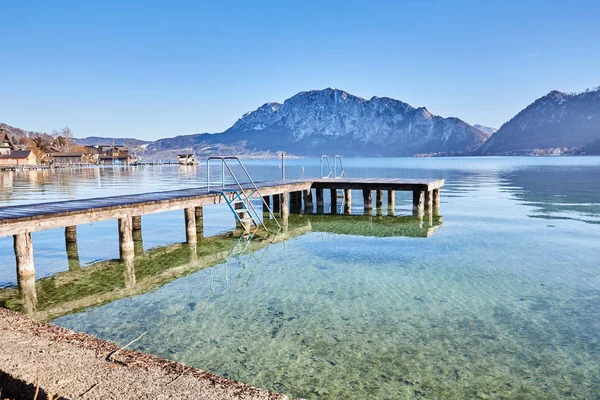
[(502, 300)]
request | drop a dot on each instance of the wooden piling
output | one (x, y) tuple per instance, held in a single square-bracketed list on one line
[(125, 237), (136, 234), (128, 260), (368, 199), (71, 234), (190, 225), (285, 210), (136, 223), (24, 255), (436, 200), (199, 221), (73, 256), (391, 199), (379, 199), (428, 200), (347, 201), (417, 201), (28, 294)]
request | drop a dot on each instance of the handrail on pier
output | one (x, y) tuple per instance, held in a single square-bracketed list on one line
[(332, 171), (256, 217), (337, 158), (330, 174)]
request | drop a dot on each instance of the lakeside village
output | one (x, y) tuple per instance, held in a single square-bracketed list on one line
[(62, 150)]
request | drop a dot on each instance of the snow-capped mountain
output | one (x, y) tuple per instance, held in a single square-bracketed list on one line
[(486, 129), (557, 120), (332, 120)]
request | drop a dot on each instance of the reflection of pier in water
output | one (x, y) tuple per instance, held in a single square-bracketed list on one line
[(102, 282)]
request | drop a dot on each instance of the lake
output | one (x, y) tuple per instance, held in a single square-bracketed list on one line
[(497, 298)]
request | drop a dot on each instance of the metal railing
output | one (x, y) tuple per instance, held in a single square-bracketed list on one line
[(332, 171), (330, 174), (224, 165), (337, 158)]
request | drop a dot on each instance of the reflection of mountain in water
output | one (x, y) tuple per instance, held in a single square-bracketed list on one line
[(558, 193), (105, 281)]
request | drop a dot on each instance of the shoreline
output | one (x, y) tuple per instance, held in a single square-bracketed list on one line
[(69, 364)]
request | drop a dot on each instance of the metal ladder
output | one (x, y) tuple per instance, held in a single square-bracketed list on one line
[(337, 159), (234, 196)]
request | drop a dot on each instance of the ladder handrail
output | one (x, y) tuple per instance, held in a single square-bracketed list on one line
[(335, 159), (329, 175), (226, 165)]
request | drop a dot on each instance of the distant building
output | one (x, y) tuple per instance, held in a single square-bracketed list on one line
[(187, 159), (6, 145), (113, 155), (66, 158), (18, 157)]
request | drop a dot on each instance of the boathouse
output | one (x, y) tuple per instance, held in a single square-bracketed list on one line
[(68, 158), (18, 158)]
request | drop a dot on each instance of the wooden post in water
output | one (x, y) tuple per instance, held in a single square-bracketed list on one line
[(190, 225), (417, 201), (295, 202), (28, 294), (308, 201), (428, 200), (136, 234), (24, 255), (285, 211), (391, 201), (71, 234), (199, 211), (136, 223), (73, 256), (284, 204), (72, 249), (276, 203), (126, 246), (379, 199), (436, 201), (368, 199), (347, 201), (129, 270)]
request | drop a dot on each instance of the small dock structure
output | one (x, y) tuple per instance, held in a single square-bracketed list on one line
[(279, 197)]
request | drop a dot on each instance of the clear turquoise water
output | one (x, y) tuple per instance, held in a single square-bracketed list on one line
[(502, 301)]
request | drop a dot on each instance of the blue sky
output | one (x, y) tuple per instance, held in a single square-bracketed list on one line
[(152, 69)]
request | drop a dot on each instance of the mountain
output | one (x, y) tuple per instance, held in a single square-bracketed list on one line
[(332, 121), (557, 120), (486, 129)]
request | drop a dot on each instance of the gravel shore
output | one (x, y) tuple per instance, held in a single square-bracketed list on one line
[(59, 362)]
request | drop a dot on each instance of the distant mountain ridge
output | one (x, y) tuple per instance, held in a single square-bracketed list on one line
[(334, 121), (556, 120), (486, 129)]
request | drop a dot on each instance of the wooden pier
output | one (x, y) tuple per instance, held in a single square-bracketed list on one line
[(285, 196)]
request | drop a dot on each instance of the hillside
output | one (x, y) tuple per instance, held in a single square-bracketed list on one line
[(557, 120)]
